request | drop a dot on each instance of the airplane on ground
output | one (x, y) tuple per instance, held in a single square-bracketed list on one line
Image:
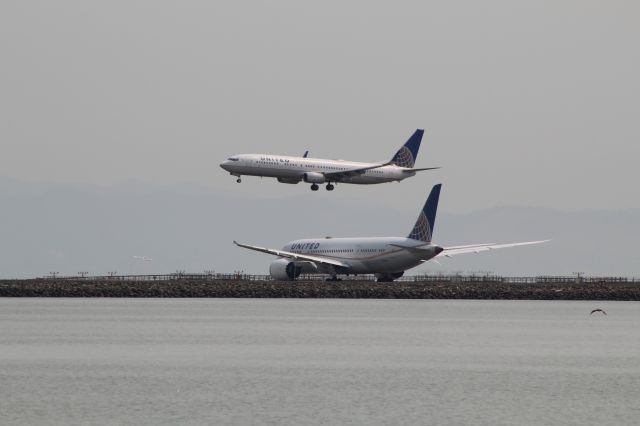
[(386, 257), (319, 171)]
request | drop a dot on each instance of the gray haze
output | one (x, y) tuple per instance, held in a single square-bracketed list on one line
[(537, 100), (524, 103), (71, 228)]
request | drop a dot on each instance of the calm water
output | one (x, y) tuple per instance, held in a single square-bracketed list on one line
[(223, 361)]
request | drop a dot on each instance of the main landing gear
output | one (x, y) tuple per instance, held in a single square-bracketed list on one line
[(329, 187)]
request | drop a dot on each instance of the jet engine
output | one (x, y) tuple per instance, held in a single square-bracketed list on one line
[(314, 177), (284, 270)]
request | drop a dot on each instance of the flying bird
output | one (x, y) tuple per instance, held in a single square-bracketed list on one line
[(598, 310)]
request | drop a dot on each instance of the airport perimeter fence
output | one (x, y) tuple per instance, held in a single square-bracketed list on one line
[(428, 278)]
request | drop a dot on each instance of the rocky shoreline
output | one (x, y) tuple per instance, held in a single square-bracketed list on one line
[(624, 291)]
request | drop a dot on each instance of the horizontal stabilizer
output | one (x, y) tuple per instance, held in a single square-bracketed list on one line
[(477, 248), (420, 170)]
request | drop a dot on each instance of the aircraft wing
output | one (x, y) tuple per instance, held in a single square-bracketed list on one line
[(353, 172), (477, 248), (296, 256)]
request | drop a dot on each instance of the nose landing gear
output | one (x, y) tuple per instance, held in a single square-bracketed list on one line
[(239, 180)]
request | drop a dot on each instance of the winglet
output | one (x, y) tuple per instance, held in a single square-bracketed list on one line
[(423, 229), (407, 154)]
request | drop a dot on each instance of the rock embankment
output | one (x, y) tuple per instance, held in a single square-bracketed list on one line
[(319, 289)]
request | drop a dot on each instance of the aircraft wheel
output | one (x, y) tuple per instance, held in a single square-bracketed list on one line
[(314, 187), (330, 187), (238, 180)]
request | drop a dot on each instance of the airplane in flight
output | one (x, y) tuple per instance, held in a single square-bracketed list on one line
[(320, 171), (386, 257)]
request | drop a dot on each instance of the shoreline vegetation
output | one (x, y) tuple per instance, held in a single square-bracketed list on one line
[(360, 289)]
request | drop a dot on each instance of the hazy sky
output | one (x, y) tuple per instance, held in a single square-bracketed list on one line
[(533, 103)]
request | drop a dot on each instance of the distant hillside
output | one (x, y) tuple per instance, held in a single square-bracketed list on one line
[(70, 228)]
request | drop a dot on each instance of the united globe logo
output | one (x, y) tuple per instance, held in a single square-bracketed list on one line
[(422, 230), (404, 158)]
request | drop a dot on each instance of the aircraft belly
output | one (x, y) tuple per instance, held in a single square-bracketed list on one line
[(288, 174), (359, 267), (270, 172), (389, 263), (363, 180)]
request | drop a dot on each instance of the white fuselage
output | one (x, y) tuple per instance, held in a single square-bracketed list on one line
[(292, 169), (374, 255)]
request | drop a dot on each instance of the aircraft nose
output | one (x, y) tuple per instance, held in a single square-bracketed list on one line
[(225, 164)]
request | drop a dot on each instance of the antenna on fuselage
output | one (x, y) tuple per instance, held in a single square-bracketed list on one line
[(305, 154)]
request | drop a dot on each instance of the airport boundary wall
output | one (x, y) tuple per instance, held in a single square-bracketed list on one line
[(242, 286), (449, 278)]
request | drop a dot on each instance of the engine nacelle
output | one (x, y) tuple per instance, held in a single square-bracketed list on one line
[(314, 177), (284, 270)]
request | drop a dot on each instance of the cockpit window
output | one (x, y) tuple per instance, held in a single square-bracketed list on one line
[(233, 158)]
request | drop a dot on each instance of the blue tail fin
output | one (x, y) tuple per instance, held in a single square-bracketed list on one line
[(423, 229), (406, 156)]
